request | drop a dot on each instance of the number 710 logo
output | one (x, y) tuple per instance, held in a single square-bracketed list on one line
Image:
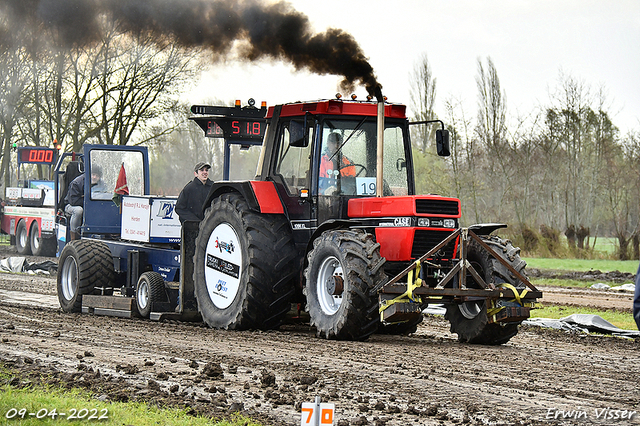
[(314, 415)]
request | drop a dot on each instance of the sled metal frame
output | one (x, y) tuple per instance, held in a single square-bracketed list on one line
[(459, 291)]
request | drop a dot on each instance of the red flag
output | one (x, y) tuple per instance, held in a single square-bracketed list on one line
[(121, 186)]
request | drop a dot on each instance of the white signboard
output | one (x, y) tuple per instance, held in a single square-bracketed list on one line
[(165, 223), (136, 213), (149, 219)]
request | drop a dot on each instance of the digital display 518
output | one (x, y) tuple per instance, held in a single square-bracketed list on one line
[(237, 128), (36, 155)]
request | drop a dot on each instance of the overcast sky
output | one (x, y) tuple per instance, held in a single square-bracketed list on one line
[(530, 43)]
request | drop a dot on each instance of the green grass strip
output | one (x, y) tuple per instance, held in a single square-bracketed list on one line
[(630, 266), (23, 406), (623, 320)]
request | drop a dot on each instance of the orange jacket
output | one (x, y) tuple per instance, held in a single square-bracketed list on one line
[(347, 169)]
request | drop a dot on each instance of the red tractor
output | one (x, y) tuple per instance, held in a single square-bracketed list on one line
[(332, 220)]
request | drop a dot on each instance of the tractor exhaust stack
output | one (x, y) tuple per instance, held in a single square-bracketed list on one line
[(380, 147)]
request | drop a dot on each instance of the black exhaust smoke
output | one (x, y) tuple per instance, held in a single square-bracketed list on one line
[(255, 29)]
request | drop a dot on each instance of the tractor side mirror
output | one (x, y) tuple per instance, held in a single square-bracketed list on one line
[(299, 133), (442, 143)]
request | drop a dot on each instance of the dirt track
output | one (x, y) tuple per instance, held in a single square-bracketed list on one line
[(427, 379)]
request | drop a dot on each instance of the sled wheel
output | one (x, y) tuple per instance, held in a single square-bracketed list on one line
[(22, 239), (244, 266), (83, 266), (469, 320), (41, 246), (344, 266), (150, 289)]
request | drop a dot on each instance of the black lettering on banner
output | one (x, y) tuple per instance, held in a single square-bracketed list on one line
[(223, 266)]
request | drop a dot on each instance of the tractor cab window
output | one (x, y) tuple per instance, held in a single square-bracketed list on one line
[(106, 167), (293, 162), (348, 158)]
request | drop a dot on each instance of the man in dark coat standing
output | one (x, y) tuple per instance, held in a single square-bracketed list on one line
[(192, 197)]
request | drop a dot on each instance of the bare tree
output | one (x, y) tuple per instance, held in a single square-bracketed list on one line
[(491, 131), (13, 80), (139, 83), (423, 98)]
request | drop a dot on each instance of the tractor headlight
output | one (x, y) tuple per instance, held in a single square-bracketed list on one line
[(423, 222), (449, 223)]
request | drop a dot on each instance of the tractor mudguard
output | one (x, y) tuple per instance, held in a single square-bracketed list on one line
[(261, 196), (486, 228)]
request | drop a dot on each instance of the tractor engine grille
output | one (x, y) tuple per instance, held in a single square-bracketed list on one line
[(431, 206), (425, 240)]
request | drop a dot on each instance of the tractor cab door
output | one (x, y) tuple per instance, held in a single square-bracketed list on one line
[(291, 173)]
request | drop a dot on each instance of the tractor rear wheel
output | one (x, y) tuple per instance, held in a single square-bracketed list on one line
[(149, 289), (23, 243), (470, 320), (344, 265), (244, 266), (83, 267)]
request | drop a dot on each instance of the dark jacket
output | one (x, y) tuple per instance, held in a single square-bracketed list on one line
[(191, 200), (636, 300), (75, 195)]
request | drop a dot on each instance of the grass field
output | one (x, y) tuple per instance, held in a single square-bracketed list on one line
[(603, 265)]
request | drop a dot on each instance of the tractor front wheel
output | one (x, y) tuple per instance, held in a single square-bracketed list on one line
[(344, 266), (469, 319)]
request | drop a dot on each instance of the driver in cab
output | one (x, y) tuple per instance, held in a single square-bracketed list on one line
[(334, 164)]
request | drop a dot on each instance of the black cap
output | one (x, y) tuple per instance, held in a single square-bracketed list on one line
[(201, 166), (96, 170)]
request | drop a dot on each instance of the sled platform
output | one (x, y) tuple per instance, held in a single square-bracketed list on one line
[(114, 306)]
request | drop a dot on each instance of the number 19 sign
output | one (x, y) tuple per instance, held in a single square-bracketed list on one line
[(315, 414)]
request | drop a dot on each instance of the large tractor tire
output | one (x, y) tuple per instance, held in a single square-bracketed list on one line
[(343, 267), (149, 290), (84, 266), (23, 243), (41, 246), (244, 266), (470, 320)]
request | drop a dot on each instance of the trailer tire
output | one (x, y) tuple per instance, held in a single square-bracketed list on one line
[(343, 308), (23, 243), (41, 246), (244, 266), (469, 320), (149, 289), (84, 266)]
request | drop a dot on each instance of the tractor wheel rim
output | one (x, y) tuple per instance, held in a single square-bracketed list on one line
[(143, 294), (69, 278), (223, 265), (329, 303), (470, 310)]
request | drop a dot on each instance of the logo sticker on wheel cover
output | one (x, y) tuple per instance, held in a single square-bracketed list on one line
[(223, 266)]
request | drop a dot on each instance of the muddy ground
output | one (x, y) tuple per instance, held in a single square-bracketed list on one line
[(427, 378)]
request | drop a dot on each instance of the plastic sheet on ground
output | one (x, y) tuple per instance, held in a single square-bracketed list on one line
[(21, 265), (584, 323)]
